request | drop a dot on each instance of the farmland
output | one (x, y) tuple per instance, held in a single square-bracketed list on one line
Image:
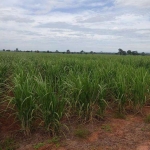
[(45, 90)]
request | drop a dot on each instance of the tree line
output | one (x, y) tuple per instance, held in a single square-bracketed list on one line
[(120, 52), (129, 52)]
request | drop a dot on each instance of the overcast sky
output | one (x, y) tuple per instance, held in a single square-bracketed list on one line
[(89, 25)]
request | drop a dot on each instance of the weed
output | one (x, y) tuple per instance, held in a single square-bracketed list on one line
[(106, 128), (82, 133), (54, 140), (119, 115), (8, 144), (57, 145), (146, 128), (37, 146), (147, 119)]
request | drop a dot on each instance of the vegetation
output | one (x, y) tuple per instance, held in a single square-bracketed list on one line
[(120, 52), (119, 115), (49, 87), (106, 127), (8, 144), (129, 52), (147, 119), (82, 133), (37, 146)]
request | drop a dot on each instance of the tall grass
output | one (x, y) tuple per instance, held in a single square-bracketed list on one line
[(50, 105), (24, 99), (51, 86)]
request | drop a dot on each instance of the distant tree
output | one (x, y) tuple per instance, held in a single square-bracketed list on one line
[(17, 50), (68, 51), (134, 53), (120, 51), (82, 52), (47, 51), (37, 51), (56, 51), (143, 54), (124, 53), (3, 49), (91, 52), (129, 52)]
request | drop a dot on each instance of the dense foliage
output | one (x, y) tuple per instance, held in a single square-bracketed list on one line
[(52, 86)]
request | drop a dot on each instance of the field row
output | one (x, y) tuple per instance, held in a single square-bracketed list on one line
[(49, 87)]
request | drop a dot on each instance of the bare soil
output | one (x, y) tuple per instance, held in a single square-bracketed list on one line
[(131, 133)]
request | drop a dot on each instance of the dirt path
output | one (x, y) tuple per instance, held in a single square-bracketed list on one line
[(131, 133)]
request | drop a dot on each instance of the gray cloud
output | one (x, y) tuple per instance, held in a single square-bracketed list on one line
[(139, 3), (75, 25), (98, 18), (59, 25), (16, 19), (125, 32), (30, 33)]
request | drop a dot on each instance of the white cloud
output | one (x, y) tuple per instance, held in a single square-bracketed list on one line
[(75, 25), (139, 3)]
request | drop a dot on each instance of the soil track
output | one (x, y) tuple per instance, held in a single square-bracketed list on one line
[(131, 133)]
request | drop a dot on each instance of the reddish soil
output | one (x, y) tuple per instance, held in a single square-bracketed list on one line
[(8, 123), (131, 133)]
